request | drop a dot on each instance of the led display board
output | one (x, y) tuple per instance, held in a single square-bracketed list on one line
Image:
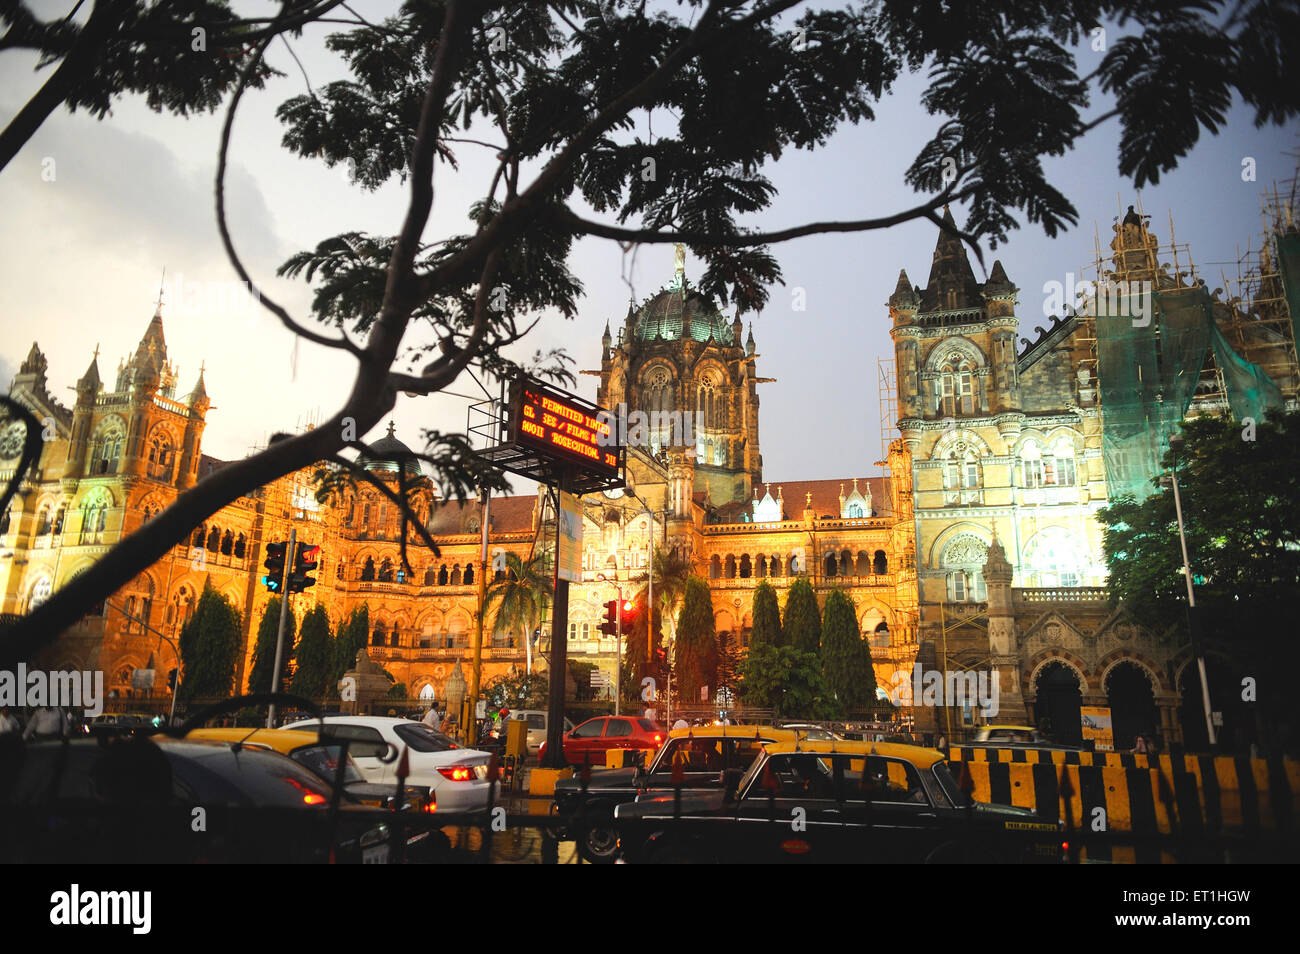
[(564, 428)]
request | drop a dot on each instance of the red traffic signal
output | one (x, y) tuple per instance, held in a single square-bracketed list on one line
[(304, 561), (611, 625)]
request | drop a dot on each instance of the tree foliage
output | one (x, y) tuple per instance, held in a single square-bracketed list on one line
[(515, 690), (314, 656), (520, 597), (209, 645), (695, 654), (766, 629), (788, 681), (353, 636), (554, 99), (845, 655), (802, 626), (1241, 515), (259, 673)]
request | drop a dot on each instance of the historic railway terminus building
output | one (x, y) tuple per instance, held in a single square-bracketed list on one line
[(978, 549)]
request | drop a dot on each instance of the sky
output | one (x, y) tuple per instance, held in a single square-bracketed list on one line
[(93, 212)]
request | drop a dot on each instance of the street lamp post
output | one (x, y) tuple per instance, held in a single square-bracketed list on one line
[(1176, 444)]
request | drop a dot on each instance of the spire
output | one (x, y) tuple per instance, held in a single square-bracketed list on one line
[(749, 341), (392, 428), (200, 392), (996, 567), (950, 271), (90, 381), (998, 285), (904, 295)]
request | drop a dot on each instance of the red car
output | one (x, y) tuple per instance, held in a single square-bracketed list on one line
[(588, 743)]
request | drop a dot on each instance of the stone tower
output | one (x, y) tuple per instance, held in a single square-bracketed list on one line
[(684, 366)]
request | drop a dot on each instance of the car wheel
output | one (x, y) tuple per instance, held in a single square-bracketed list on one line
[(596, 838)]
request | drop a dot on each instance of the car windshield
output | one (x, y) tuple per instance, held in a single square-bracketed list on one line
[(423, 739), (324, 761)]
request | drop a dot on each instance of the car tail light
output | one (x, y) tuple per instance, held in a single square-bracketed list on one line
[(308, 797), (457, 773), (430, 804), (658, 738)]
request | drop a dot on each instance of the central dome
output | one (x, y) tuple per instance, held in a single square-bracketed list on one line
[(385, 446), (666, 314)]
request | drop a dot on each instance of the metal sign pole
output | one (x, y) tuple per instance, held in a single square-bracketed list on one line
[(559, 650), (290, 553)]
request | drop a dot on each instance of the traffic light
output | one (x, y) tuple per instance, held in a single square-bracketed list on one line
[(304, 561), (610, 627), (629, 615), (274, 563)]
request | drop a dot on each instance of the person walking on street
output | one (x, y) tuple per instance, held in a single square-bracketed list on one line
[(47, 723), (8, 723)]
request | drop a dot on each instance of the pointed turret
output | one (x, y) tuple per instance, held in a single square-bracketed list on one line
[(736, 328), (998, 285), (199, 396), (952, 284), (89, 383), (904, 295), (749, 341), (606, 338), (996, 567), (31, 373)]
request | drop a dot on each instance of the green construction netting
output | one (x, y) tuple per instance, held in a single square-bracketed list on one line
[(1288, 258), (1148, 375)]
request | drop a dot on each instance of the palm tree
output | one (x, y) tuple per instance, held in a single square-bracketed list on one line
[(520, 596), (671, 571)]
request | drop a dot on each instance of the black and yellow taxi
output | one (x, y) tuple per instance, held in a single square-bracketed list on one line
[(704, 757), (840, 802)]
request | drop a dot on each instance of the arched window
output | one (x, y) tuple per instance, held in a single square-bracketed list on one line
[(795, 565), (761, 568), (881, 563), (864, 563), (855, 510), (730, 567), (705, 406), (4, 519), (377, 638), (106, 450), (443, 575), (58, 521), (775, 565), (715, 568), (469, 575), (430, 577), (963, 560), (227, 543), (43, 522), (394, 638), (455, 575), (160, 456), (368, 570), (386, 571), (956, 386), (365, 515), (40, 592), (200, 534), (746, 569), (241, 546), (846, 563), (214, 540)]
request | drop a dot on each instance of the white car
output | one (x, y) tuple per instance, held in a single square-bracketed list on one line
[(457, 776), (536, 719)]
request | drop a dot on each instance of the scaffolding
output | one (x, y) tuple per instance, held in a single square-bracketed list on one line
[(887, 382), (1190, 353)]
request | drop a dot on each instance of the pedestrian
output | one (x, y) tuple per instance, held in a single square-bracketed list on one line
[(47, 722), (1140, 745), (431, 717), (8, 723)]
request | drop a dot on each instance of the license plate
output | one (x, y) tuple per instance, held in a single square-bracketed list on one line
[(378, 855)]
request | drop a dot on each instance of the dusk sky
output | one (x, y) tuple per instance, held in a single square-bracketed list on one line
[(81, 256)]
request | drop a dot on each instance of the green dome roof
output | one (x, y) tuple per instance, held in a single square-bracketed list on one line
[(664, 315), (385, 446)]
